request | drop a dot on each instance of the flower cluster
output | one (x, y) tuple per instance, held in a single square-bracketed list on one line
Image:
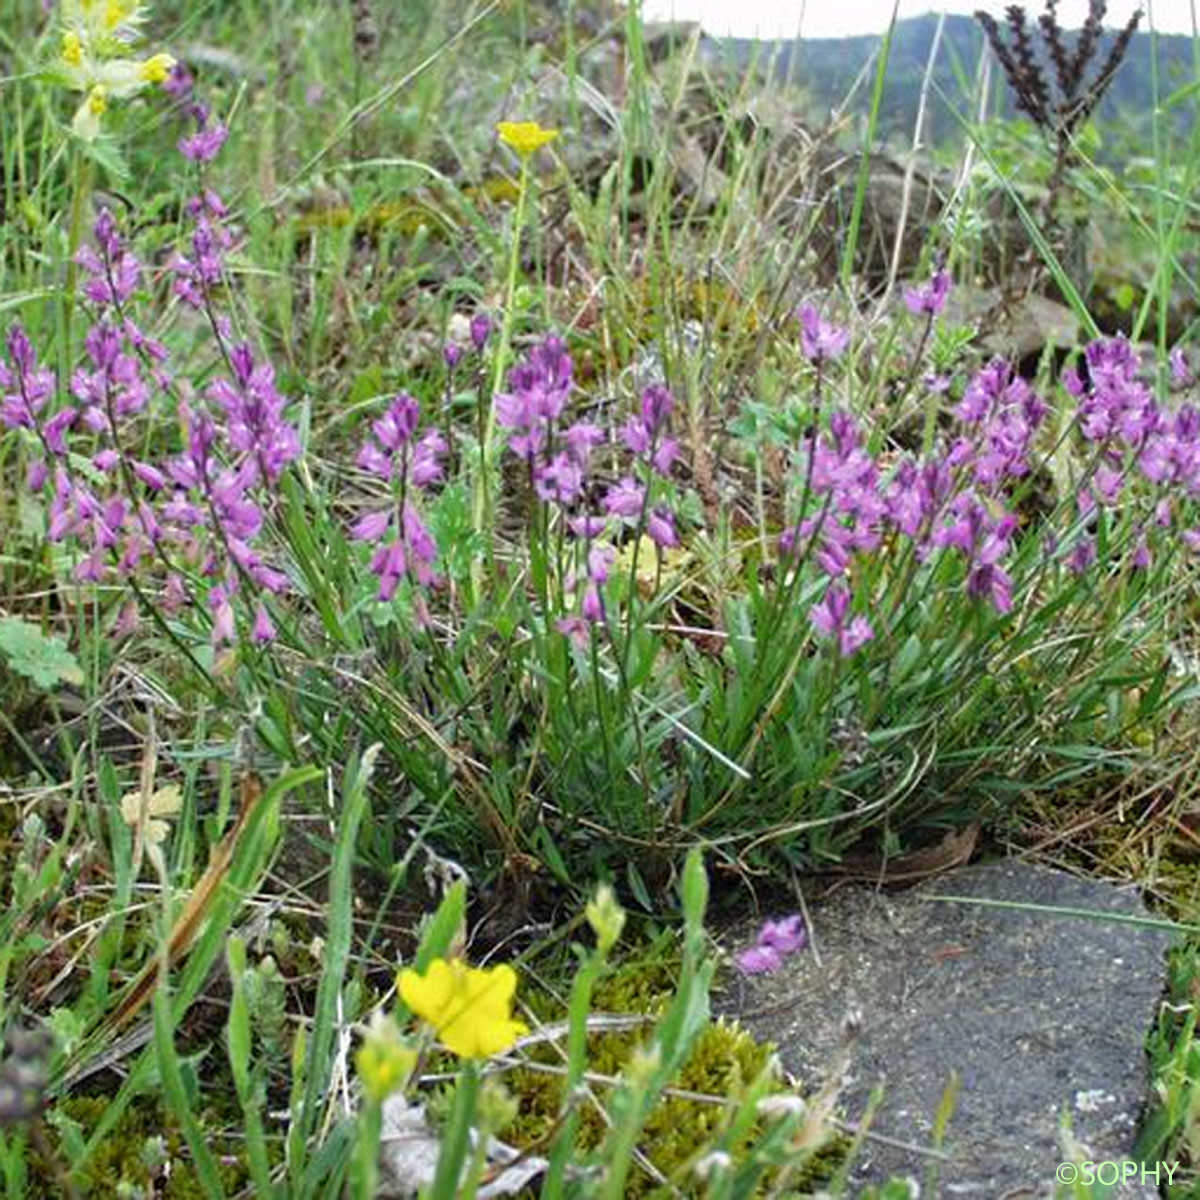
[(404, 545), (197, 276), (776, 940), (957, 499), (954, 499), (92, 58), (1133, 435), (559, 458), (176, 521)]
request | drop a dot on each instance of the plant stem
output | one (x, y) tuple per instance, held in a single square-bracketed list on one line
[(481, 509), (456, 1142), (82, 172)]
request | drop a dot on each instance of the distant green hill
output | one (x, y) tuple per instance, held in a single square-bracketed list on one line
[(827, 67)]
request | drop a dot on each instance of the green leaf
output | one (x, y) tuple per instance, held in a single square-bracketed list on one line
[(37, 656), (638, 886)]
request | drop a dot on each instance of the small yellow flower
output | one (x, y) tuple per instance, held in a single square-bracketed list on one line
[(470, 1007), (156, 69), (72, 49), (525, 137)]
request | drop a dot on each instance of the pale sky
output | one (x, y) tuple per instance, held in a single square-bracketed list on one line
[(841, 18)]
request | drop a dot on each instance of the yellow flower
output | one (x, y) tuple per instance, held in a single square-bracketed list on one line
[(525, 136), (86, 122), (95, 40), (156, 69), (470, 1007), (116, 12), (72, 48)]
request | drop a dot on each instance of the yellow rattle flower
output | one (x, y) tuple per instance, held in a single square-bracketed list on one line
[(93, 58), (470, 1007), (525, 137)]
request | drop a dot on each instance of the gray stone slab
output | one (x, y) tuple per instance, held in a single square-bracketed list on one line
[(1036, 1013)]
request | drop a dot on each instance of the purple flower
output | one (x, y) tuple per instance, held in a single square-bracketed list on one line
[(657, 403), (587, 526), (576, 628), (593, 605), (986, 579), (635, 435), (1181, 373), (625, 499), (582, 438), (663, 457), (1082, 556), (759, 960), (660, 528), (481, 329), (179, 82), (560, 479), (205, 144), (264, 629), (786, 935), (929, 298), (829, 618), (451, 355), (113, 274), (776, 940), (819, 340), (253, 409), (398, 424), (25, 388), (600, 560)]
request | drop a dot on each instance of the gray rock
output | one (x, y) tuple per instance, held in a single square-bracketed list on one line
[(1038, 1015)]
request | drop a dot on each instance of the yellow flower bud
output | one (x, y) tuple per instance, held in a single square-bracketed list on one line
[(606, 917), (384, 1060), (97, 100)]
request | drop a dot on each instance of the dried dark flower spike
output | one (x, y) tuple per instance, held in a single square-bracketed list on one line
[(366, 31), (1052, 35), (1032, 86), (1076, 98)]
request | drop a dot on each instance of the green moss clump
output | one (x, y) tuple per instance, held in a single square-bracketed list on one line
[(724, 1061), (130, 1158)]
